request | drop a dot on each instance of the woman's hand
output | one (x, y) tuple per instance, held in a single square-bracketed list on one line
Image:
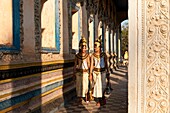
[(90, 77)]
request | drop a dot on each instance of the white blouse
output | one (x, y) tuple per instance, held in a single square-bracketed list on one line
[(99, 62), (82, 64)]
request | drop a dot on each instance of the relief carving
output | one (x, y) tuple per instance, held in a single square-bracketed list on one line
[(37, 20), (70, 24), (157, 56), (91, 6)]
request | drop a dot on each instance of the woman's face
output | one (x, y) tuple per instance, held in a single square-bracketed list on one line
[(84, 49), (96, 48)]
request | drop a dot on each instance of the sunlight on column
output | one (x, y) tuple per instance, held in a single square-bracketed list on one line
[(91, 38), (75, 31), (107, 40)]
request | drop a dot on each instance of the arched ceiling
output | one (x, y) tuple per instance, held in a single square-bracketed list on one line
[(121, 5), (121, 10), (114, 11)]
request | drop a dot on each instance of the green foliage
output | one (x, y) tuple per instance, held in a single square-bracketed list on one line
[(124, 34)]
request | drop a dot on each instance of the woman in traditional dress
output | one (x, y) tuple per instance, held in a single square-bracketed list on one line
[(98, 70), (81, 71)]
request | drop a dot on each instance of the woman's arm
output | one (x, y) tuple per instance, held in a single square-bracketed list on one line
[(88, 61)]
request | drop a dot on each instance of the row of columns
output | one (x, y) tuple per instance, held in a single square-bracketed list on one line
[(112, 42), (111, 34)]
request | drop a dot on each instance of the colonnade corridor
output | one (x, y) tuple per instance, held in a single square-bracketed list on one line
[(40, 38), (117, 101)]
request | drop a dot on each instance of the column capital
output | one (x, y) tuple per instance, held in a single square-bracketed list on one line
[(92, 6)]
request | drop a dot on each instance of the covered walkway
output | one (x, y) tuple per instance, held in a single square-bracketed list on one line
[(116, 102), (39, 39)]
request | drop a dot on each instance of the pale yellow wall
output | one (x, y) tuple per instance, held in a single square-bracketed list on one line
[(75, 31), (28, 25), (48, 24), (6, 33)]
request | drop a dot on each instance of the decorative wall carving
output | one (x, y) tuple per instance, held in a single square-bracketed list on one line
[(157, 56), (37, 19), (26, 71)]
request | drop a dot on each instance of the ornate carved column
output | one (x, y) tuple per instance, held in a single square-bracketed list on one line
[(119, 44), (149, 59), (109, 45), (156, 49), (102, 16), (92, 6), (112, 47)]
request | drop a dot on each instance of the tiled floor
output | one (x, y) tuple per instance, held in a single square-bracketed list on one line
[(116, 101)]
